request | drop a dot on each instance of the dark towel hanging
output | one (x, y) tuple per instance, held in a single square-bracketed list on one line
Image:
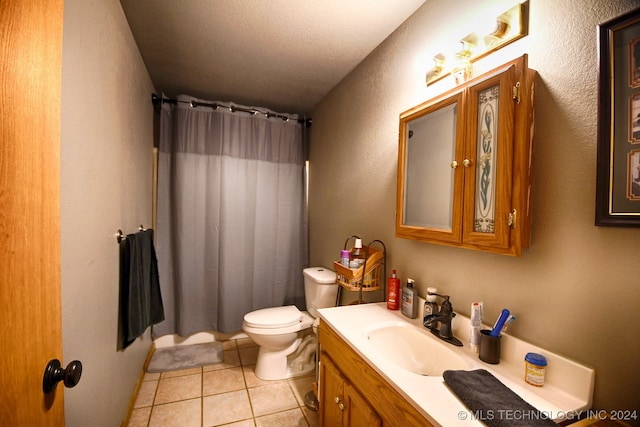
[(140, 299)]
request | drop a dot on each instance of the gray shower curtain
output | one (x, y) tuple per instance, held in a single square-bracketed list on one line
[(231, 222)]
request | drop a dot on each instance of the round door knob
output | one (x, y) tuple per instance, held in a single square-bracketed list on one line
[(454, 164), (341, 406), (54, 373), (466, 163), (337, 399)]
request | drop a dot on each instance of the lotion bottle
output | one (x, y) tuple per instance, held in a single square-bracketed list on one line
[(393, 292), (356, 256), (409, 300)]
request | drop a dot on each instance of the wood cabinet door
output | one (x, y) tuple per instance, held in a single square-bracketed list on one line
[(358, 412), (340, 403), (488, 177), (430, 174), (331, 393)]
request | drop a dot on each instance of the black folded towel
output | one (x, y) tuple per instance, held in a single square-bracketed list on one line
[(140, 299), (492, 402)]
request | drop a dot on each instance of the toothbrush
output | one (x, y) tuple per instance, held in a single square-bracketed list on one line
[(500, 323), (509, 320)]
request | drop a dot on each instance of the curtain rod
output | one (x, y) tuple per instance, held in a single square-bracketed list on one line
[(158, 100)]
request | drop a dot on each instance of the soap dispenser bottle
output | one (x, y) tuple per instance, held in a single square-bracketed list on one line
[(409, 300), (431, 303)]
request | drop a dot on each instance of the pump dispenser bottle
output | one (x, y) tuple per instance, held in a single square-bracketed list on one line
[(431, 303), (409, 300)]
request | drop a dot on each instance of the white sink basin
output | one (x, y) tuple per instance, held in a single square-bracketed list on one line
[(412, 349)]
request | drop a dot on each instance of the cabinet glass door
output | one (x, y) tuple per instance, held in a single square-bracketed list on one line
[(488, 176)]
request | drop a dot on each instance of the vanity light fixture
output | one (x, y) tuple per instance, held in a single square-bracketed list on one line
[(509, 27)]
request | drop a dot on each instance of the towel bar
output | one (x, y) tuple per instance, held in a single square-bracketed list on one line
[(120, 236)]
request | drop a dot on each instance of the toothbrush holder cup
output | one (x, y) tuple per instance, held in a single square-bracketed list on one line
[(489, 347)]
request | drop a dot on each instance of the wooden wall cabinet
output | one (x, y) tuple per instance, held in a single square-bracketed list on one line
[(352, 393), (465, 164)]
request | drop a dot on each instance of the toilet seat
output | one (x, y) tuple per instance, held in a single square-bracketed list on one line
[(273, 317), (276, 320)]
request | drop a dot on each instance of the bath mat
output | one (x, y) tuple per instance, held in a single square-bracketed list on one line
[(186, 356)]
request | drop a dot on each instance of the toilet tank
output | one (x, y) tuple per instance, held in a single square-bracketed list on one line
[(320, 289)]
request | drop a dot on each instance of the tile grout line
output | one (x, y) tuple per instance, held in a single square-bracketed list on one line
[(153, 401), (290, 383), (246, 384)]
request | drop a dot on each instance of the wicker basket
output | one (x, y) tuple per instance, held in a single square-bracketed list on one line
[(351, 279)]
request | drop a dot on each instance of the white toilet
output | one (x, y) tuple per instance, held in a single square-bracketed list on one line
[(285, 336)]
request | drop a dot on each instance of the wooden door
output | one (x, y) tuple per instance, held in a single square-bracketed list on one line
[(331, 393), (30, 315)]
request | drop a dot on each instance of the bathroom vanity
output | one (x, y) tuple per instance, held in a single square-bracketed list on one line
[(365, 378), (353, 393)]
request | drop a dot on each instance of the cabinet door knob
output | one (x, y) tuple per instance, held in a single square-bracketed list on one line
[(454, 164), (341, 406), (337, 399), (466, 163)]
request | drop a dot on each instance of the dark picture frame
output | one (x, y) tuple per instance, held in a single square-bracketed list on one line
[(618, 157)]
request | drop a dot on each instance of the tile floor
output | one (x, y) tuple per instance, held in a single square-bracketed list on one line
[(224, 394)]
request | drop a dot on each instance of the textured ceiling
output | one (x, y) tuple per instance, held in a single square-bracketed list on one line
[(285, 55)]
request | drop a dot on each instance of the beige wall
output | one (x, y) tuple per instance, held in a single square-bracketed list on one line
[(576, 291), (106, 169)]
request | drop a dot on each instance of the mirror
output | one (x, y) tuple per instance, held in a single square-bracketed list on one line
[(430, 144), (426, 170)]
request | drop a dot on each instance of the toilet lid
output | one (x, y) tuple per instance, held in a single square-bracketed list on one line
[(274, 317)]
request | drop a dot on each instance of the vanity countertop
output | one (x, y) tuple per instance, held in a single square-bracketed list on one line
[(567, 391)]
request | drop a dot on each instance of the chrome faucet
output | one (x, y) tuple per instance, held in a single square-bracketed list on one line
[(444, 316)]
